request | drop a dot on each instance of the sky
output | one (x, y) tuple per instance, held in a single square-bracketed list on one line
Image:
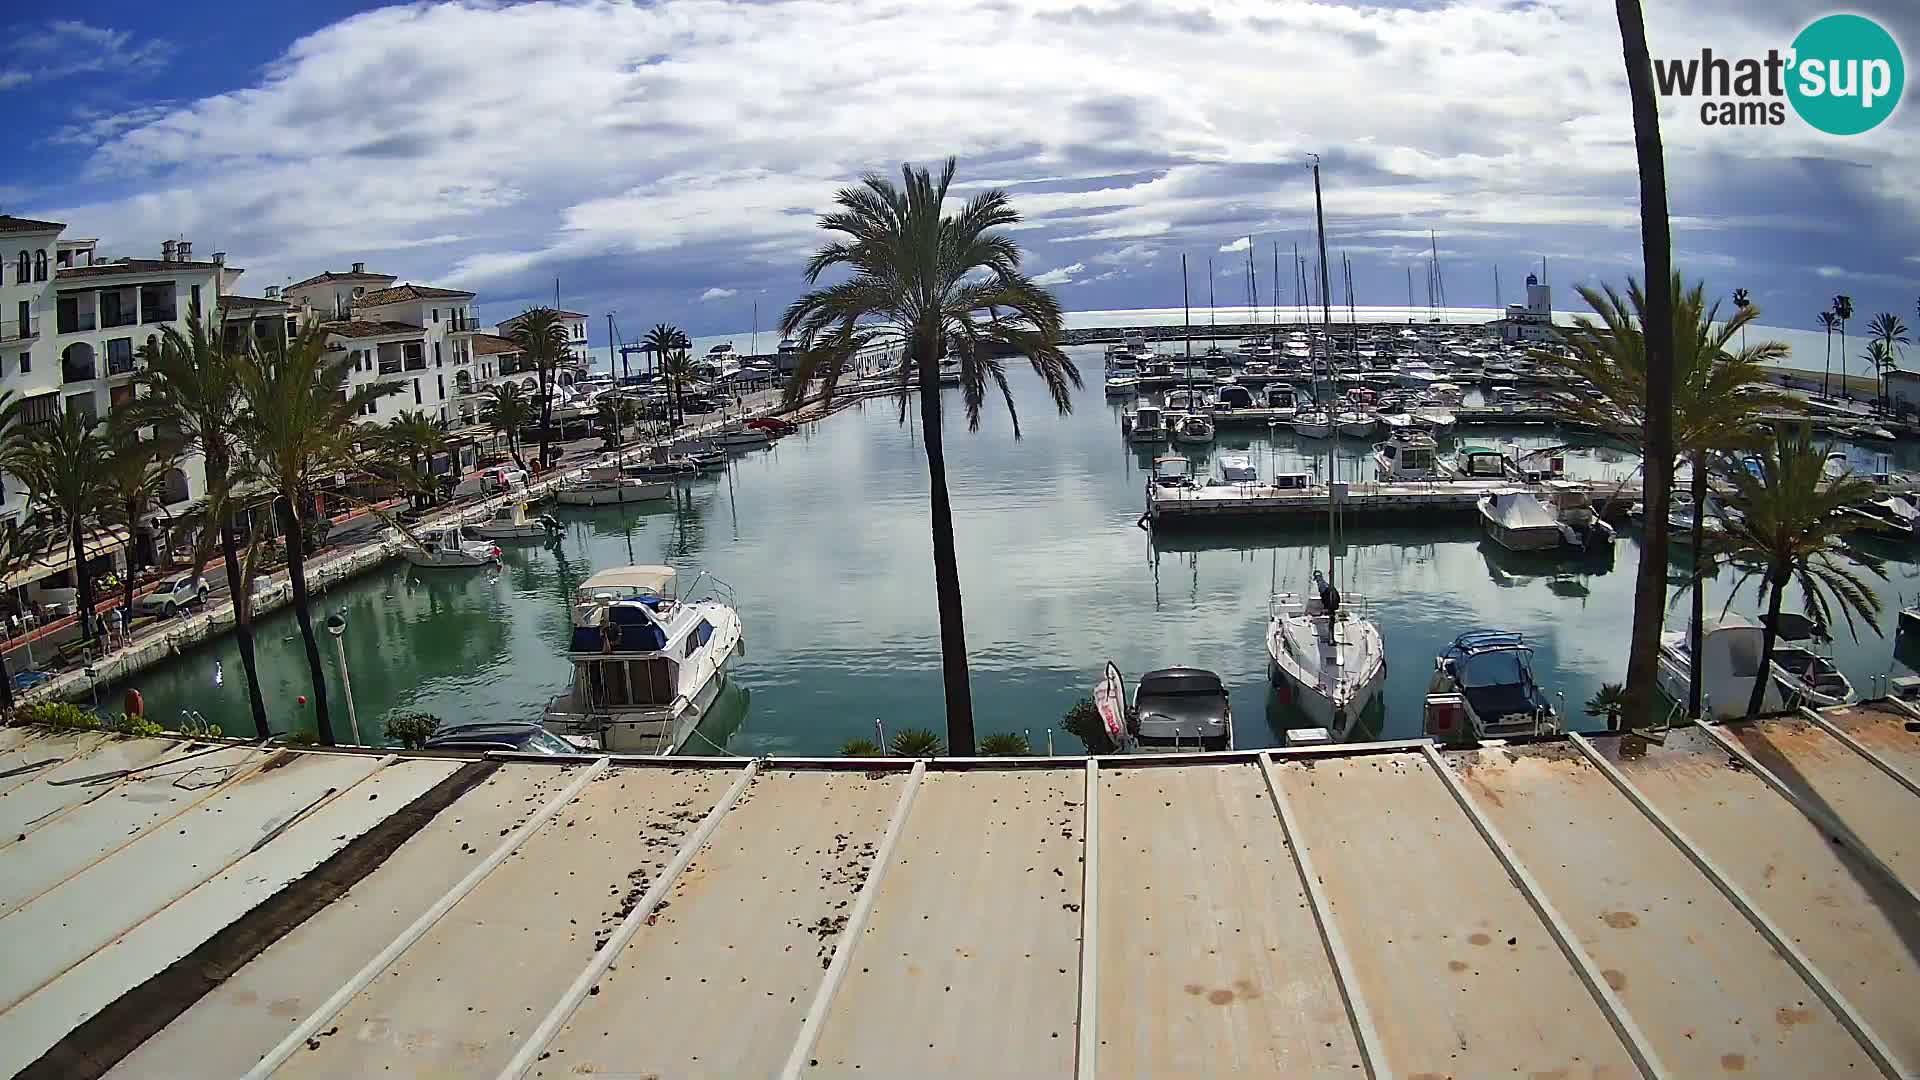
[(668, 161)]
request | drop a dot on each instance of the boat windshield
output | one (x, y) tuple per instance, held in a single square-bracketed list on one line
[(1507, 667)]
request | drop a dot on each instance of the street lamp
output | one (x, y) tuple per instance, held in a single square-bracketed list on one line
[(337, 626)]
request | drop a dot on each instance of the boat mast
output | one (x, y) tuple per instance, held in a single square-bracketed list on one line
[(1333, 369), (753, 348), (1253, 287), (613, 342), (1186, 305), (1213, 327), (1497, 306), (1276, 291), (1409, 293)]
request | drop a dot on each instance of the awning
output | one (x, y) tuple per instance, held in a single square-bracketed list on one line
[(58, 558)]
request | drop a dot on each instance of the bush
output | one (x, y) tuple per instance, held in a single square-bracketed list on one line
[(1005, 744), (60, 715), (301, 738), (196, 727), (1083, 722), (129, 724), (916, 742), (410, 729), (859, 748)]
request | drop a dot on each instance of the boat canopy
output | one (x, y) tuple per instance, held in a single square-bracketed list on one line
[(1178, 681), (647, 579)]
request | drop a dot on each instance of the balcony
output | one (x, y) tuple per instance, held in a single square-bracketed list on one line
[(389, 366), (20, 331), (120, 365), (77, 370), (463, 324), (75, 322)]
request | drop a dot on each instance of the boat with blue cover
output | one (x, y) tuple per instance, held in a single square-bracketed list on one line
[(1486, 690)]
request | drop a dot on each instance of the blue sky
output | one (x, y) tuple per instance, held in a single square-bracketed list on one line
[(666, 160)]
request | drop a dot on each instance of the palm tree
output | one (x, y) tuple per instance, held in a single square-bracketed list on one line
[(678, 368), (62, 464), (190, 395), (509, 411), (932, 286), (1828, 320), (1656, 242), (135, 475), (1742, 300), (542, 337), (1891, 335), (1786, 531), (297, 429), (664, 340), (1608, 702), (415, 434), (1716, 390), (1881, 359), (1842, 311)]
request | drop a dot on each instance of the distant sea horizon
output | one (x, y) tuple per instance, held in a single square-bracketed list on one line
[(1809, 347)]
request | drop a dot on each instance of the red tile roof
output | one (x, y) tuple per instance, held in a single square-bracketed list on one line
[(137, 266), (343, 275), (493, 345), (11, 224), (355, 329), (235, 303), (408, 292)]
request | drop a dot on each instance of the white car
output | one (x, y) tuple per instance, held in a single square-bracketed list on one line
[(179, 591)]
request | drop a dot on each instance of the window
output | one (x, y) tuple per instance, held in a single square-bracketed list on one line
[(440, 383), (193, 301), (22, 268), (416, 391), (436, 314), (26, 362), (436, 354), (41, 409), (39, 266)]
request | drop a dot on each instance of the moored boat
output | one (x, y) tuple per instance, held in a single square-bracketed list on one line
[(1146, 424), (444, 548), (1324, 657), (608, 486), (1488, 675), (1180, 708), (1407, 456), (1730, 651), (1193, 428), (514, 521), (1519, 520)]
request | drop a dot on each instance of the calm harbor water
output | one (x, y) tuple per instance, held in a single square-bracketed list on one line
[(824, 540)]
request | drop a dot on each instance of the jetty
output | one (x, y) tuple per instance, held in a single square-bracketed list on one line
[(1726, 901), (1403, 502)]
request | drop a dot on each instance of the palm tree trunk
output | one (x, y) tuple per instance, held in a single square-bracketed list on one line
[(126, 580), (946, 568), (1843, 358), (1695, 630), (546, 412), (243, 627), (84, 579), (1826, 375), (1649, 602), (297, 573), (1760, 684)]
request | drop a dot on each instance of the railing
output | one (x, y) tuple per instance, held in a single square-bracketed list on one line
[(79, 323), (19, 330), (126, 317), (120, 365), (154, 315), (77, 372), (389, 367), (463, 324)]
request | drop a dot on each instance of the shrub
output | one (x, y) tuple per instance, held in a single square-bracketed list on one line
[(410, 729), (129, 724), (1005, 744), (196, 727), (60, 715), (859, 748), (301, 738), (916, 742), (1083, 722)]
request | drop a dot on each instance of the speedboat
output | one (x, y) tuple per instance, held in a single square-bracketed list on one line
[(1490, 673), (1233, 397), (1193, 428), (1803, 673), (1180, 708), (1146, 424), (1519, 520), (1890, 515), (1314, 425), (1324, 657), (442, 549), (1680, 518), (673, 466), (1731, 662), (515, 521), (1185, 400), (1835, 466), (742, 438), (607, 486), (1408, 455), (647, 663), (1476, 463), (1122, 381), (1359, 425)]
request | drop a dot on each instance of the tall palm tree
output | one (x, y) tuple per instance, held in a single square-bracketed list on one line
[(1717, 390), (1891, 335), (135, 475), (542, 337), (298, 429), (1656, 242), (1787, 532), (415, 434), (664, 340), (934, 286), (190, 395), (1828, 320), (62, 466), (510, 413), (678, 368), (1742, 300), (1842, 311)]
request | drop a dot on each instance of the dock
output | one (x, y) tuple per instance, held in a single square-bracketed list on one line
[(1729, 901), (1364, 501)]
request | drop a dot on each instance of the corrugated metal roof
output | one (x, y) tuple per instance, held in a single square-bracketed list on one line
[(1735, 901)]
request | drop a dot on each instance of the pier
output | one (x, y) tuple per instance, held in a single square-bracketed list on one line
[(1403, 502)]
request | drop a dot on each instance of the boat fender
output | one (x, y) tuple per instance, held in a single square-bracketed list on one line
[(134, 705), (1144, 522)]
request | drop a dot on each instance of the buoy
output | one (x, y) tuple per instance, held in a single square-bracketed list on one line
[(134, 706), (302, 699)]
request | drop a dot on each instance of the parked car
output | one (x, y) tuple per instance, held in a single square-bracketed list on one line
[(522, 736), (176, 592)]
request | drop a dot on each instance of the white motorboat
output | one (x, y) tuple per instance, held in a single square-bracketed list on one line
[(515, 521), (1173, 471), (443, 549), (1436, 420), (1122, 382), (1238, 469), (1476, 463), (1357, 424), (1581, 525), (647, 664), (1835, 466), (1193, 428), (1731, 662), (1890, 515), (1179, 708), (1186, 400), (1519, 520), (1146, 424), (1802, 672), (1314, 425), (609, 486), (741, 438), (949, 373), (1488, 674), (1407, 456), (1324, 657), (1418, 374)]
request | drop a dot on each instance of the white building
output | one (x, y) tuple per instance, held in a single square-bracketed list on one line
[(418, 335), (576, 325), (1531, 321)]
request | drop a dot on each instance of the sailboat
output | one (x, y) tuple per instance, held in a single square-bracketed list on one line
[(1324, 654)]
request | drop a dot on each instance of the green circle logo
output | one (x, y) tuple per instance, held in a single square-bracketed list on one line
[(1847, 74)]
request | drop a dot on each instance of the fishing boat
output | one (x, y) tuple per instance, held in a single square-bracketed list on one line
[(608, 486), (445, 549), (1730, 663), (647, 663), (515, 521), (1519, 520), (1193, 428), (1146, 424), (1324, 655), (1407, 456), (1488, 675), (1802, 669)]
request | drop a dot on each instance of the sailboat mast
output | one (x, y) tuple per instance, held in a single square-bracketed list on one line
[(1213, 327), (1497, 305), (1253, 286), (1186, 305), (1409, 294), (1276, 290), (1333, 368)]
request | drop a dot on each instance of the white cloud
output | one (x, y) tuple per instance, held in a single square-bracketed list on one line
[(1062, 275), (1238, 245), (65, 47), (717, 294)]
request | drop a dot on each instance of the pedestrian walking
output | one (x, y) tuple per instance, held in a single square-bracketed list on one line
[(116, 627)]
